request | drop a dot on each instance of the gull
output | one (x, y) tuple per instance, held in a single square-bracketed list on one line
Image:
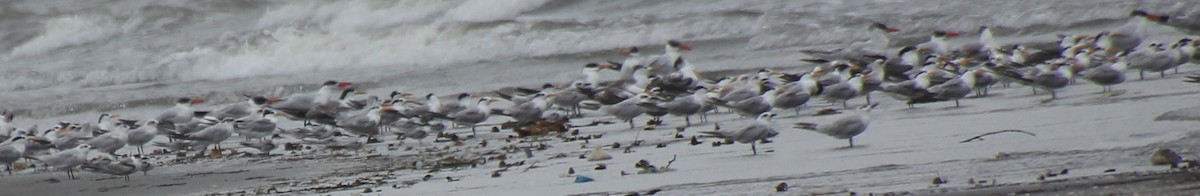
[(845, 127), (143, 134), (760, 130), (12, 150), (67, 159), (259, 125)]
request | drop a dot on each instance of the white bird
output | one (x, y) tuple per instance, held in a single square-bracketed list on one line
[(1153, 58), (259, 125), (845, 127), (626, 110), (982, 48), (955, 89), (1126, 37), (937, 44), (212, 135), (528, 112), (297, 106), (759, 131), (570, 97), (861, 52), (472, 116), (685, 106), (143, 134), (112, 141), (1186, 20), (12, 150), (6, 126), (67, 159), (843, 91), (664, 63), (240, 109), (1107, 75), (179, 115), (363, 123)]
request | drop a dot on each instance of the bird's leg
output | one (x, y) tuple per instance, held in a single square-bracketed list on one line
[(687, 120), (844, 105), (1162, 74), (868, 96), (852, 142), (956, 103), (1141, 74), (753, 148), (10, 169), (1034, 89)]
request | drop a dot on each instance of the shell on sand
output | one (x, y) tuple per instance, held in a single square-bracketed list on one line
[(598, 155)]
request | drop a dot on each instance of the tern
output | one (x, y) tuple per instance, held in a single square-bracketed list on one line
[(179, 115), (760, 130), (143, 134), (845, 127), (259, 125)]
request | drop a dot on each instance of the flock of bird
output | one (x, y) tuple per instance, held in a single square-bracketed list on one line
[(336, 116)]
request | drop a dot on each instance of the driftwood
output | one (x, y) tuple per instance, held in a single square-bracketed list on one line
[(980, 137)]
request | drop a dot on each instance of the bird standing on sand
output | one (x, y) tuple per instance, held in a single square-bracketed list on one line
[(845, 127), (760, 130)]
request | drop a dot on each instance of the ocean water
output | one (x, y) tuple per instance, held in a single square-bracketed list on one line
[(66, 57)]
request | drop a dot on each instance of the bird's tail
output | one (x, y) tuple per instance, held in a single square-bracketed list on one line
[(590, 105), (806, 126)]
